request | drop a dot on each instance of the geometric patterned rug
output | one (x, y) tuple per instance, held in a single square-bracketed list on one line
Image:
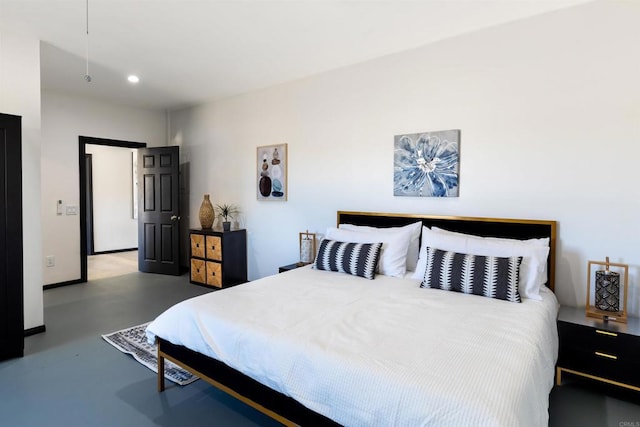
[(134, 342)]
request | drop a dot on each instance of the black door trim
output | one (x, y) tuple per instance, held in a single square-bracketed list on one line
[(83, 141), (89, 203)]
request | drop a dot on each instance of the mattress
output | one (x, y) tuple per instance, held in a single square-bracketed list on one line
[(379, 352)]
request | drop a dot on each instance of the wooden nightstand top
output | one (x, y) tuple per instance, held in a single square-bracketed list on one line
[(214, 231), (577, 315)]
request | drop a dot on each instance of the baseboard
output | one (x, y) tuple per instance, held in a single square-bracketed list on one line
[(37, 330), (58, 285), (115, 251)]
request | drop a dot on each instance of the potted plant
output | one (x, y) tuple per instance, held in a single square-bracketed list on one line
[(227, 212)]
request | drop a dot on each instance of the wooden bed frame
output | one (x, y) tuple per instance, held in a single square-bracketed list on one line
[(288, 411)]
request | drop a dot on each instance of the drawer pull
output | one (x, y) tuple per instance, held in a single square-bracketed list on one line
[(611, 334), (608, 356)]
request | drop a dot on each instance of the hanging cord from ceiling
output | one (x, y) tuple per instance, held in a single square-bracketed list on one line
[(87, 76)]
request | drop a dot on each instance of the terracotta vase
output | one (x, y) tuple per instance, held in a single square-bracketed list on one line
[(206, 213)]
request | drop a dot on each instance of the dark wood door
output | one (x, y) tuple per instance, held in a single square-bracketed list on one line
[(159, 210), (11, 276)]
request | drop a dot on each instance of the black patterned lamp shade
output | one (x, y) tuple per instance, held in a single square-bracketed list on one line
[(607, 290)]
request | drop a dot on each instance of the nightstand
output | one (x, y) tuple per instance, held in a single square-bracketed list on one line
[(291, 267), (603, 351)]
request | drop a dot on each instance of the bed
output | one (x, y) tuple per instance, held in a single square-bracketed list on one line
[(320, 347)]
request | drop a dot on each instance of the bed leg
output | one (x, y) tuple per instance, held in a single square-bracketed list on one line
[(160, 371), (558, 376)]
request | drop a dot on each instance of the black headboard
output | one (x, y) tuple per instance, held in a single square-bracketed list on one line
[(486, 227)]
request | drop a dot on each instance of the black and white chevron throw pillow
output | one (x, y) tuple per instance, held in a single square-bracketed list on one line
[(358, 259), (488, 276)]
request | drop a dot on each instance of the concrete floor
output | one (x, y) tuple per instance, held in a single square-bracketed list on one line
[(71, 377)]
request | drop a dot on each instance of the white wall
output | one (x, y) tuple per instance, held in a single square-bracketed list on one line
[(549, 111), (64, 118), (113, 224), (20, 95)]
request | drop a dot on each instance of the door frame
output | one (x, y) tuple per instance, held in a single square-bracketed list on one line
[(89, 202), (82, 150)]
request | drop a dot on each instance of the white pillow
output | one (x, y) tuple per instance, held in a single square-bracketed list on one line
[(534, 256), (543, 241), (393, 257), (414, 243)]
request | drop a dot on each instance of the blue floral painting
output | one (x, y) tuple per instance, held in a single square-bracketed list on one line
[(426, 164)]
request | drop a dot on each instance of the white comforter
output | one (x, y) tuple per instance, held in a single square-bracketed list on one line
[(379, 352)]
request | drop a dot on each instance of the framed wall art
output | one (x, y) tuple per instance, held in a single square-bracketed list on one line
[(271, 171), (426, 164)]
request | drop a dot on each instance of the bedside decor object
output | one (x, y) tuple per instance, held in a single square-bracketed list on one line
[(307, 247), (426, 164), (604, 301), (206, 213), (227, 211), (271, 171)]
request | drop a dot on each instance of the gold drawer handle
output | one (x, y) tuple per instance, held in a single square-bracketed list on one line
[(608, 356), (611, 334)]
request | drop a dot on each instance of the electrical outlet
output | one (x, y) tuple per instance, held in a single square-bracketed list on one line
[(51, 260), (72, 210)]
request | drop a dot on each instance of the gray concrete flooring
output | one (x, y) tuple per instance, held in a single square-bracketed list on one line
[(71, 377)]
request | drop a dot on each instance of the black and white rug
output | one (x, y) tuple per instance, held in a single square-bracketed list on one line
[(134, 342)]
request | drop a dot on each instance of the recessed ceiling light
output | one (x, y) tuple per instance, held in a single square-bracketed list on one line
[(133, 79)]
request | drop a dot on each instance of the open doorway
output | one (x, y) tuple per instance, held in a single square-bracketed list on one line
[(110, 242)]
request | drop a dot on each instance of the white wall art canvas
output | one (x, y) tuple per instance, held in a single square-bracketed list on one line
[(427, 164), (272, 172)]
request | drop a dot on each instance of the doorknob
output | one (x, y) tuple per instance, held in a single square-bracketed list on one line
[(175, 218)]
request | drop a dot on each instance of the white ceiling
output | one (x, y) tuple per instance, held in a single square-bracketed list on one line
[(188, 51)]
